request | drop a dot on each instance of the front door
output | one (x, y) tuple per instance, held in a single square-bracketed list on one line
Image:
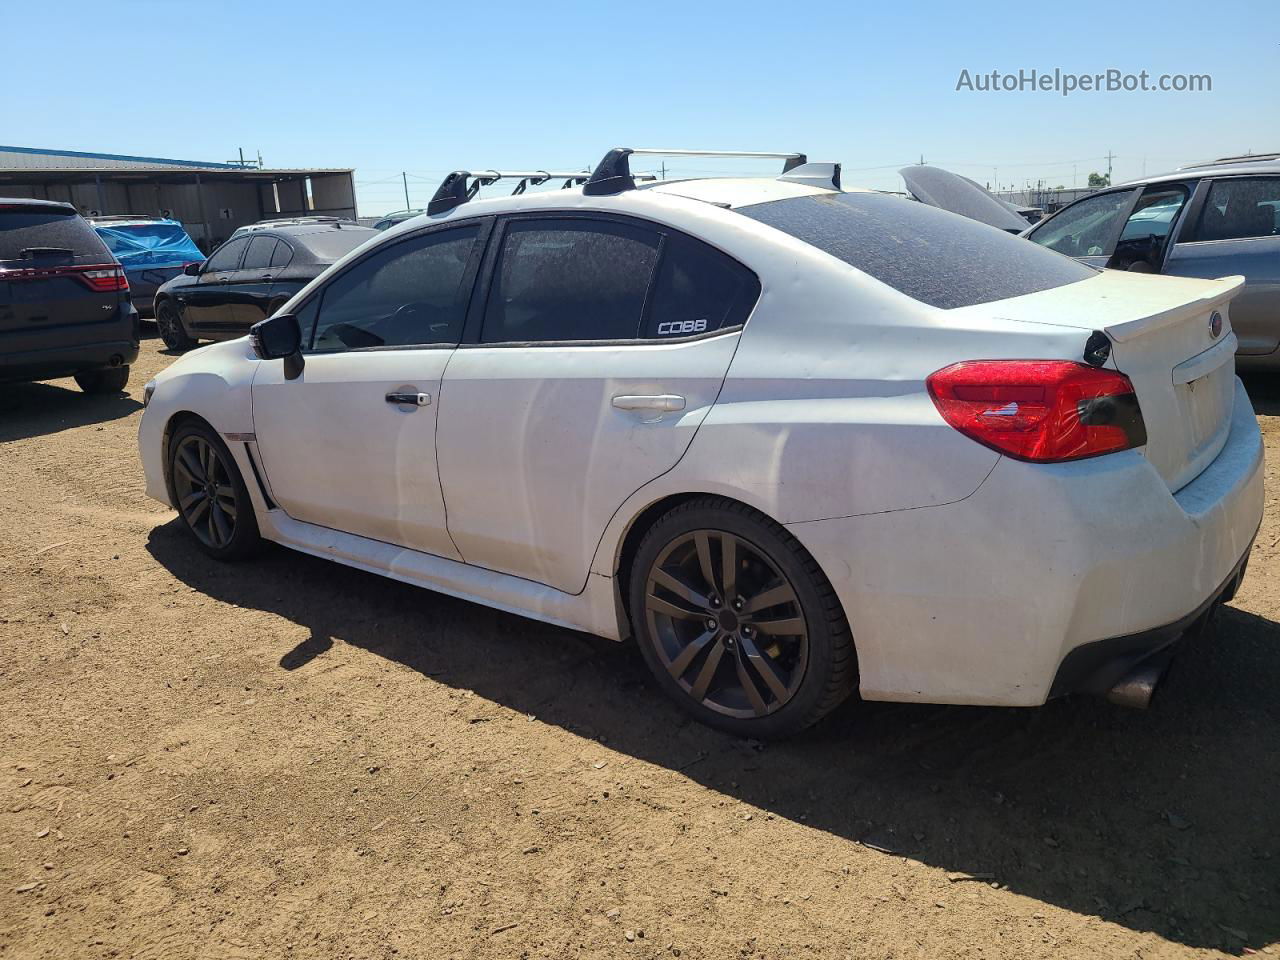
[(350, 443), (600, 348), (206, 305)]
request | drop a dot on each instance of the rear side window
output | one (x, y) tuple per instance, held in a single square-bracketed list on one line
[(698, 289), (938, 258), (32, 233), (568, 279), (406, 294), (282, 254), (259, 253), (1240, 209)]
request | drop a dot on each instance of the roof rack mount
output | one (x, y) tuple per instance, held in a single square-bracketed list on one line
[(462, 185), (613, 173)]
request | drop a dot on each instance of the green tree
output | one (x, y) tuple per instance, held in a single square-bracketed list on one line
[(1099, 179)]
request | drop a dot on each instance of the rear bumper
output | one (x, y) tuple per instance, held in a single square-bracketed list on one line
[(984, 601), (62, 351)]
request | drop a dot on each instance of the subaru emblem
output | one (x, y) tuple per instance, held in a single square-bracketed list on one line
[(1215, 325)]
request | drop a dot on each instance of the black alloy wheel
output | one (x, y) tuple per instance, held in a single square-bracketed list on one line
[(737, 622), (210, 493)]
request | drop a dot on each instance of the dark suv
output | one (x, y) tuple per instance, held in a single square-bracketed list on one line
[(64, 300), (248, 278)]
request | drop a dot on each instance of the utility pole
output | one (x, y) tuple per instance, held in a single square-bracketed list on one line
[(664, 169), (405, 177), (1110, 156)]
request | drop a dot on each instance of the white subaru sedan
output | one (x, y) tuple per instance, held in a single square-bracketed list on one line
[(792, 440)]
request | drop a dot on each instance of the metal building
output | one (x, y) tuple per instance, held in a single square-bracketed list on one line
[(211, 199)]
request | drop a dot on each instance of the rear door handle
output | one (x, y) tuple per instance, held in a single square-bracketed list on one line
[(409, 399), (666, 402)]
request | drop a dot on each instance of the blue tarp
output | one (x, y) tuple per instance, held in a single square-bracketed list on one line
[(143, 245)]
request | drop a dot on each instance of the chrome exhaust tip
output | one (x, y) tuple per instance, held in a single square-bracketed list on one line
[(1137, 687)]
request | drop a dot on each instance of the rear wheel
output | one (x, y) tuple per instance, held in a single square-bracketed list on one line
[(737, 622), (171, 330), (103, 380), (210, 493)]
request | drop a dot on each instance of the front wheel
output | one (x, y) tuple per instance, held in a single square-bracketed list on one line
[(170, 326), (210, 493), (737, 621), (103, 380)]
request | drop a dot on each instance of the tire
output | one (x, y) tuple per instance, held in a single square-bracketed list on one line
[(170, 326), (210, 493), (714, 655), (103, 380)]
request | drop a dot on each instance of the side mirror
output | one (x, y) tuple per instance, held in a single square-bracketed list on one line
[(279, 338), (193, 269)]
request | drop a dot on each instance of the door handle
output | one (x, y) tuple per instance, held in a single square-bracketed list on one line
[(409, 399), (666, 402), (223, 279), (266, 276)]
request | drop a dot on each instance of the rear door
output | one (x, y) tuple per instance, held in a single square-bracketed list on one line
[(251, 284), (1236, 230), (208, 305), (598, 349), (44, 283)]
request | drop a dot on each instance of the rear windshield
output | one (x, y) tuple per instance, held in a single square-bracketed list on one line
[(31, 233), (330, 245), (935, 257)]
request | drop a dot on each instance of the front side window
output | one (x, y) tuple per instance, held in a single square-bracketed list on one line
[(406, 294), (938, 258), (259, 254), (227, 256), (1084, 229), (1240, 209), (569, 279)]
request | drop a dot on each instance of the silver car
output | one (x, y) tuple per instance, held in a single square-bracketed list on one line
[(1212, 219)]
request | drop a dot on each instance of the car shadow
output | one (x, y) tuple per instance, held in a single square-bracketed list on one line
[(1162, 821), (1264, 391), (37, 409)]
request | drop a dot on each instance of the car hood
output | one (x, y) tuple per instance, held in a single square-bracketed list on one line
[(950, 191)]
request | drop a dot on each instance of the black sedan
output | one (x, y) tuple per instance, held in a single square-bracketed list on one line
[(247, 279)]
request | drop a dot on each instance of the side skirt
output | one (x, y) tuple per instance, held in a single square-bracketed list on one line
[(591, 611)]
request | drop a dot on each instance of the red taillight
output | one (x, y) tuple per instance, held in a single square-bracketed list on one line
[(1045, 411), (103, 277)]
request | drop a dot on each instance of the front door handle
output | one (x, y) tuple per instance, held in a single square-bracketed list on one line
[(409, 399), (665, 402)]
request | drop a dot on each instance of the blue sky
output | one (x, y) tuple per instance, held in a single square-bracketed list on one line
[(387, 86)]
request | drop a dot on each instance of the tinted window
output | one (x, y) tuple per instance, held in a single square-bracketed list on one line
[(407, 293), (227, 256), (1084, 229), (32, 233), (329, 246), (259, 253), (936, 257), (698, 289), (1240, 209), (282, 254), (569, 280)]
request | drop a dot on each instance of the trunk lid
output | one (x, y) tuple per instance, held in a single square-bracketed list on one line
[(1165, 340)]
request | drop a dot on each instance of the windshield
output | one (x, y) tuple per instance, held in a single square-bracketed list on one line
[(933, 256)]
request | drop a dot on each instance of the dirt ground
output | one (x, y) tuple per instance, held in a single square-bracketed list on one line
[(288, 758)]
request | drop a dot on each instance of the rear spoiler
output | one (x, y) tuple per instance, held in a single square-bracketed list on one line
[(1225, 291)]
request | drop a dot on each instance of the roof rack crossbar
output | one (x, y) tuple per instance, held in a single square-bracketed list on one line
[(463, 185), (613, 173)]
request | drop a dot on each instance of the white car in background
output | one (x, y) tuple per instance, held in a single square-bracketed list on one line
[(793, 440)]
